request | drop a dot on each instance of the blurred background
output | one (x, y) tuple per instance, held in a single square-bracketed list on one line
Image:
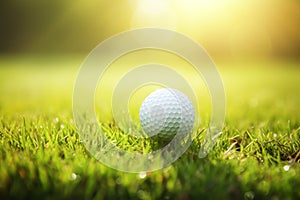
[(227, 29), (254, 43)]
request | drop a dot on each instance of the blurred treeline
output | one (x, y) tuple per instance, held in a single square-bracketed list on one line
[(77, 26), (52, 26)]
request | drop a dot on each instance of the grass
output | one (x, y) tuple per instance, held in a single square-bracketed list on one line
[(41, 156)]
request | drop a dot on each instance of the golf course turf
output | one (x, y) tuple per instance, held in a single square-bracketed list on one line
[(256, 157)]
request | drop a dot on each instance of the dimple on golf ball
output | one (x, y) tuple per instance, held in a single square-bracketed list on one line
[(167, 112)]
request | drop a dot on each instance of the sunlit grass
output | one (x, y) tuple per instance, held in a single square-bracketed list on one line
[(41, 155)]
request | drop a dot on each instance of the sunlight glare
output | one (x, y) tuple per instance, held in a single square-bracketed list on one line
[(152, 6), (154, 13)]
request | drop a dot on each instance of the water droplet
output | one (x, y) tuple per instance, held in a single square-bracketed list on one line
[(73, 176), (142, 175), (286, 167), (56, 120), (249, 195)]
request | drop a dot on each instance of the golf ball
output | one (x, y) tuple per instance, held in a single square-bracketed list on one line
[(166, 112)]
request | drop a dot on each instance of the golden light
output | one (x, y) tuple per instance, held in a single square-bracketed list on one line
[(154, 13), (152, 6), (249, 28), (249, 39), (196, 5)]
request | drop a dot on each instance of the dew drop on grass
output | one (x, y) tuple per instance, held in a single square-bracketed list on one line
[(142, 175), (73, 176), (249, 195), (56, 119), (286, 167)]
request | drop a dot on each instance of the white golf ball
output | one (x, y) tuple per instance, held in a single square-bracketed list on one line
[(167, 112)]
